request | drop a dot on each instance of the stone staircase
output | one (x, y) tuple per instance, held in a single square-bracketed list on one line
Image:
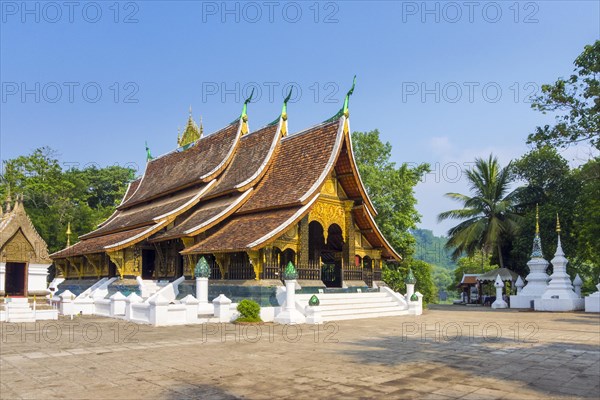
[(342, 306), (17, 309)]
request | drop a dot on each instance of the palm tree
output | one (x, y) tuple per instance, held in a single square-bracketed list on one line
[(488, 215)]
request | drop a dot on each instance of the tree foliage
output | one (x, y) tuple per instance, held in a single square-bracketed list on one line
[(551, 184), (577, 102), (395, 274), (53, 196), (432, 249), (487, 215), (390, 187)]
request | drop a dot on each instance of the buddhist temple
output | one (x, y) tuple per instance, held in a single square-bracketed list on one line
[(24, 259), (248, 202)]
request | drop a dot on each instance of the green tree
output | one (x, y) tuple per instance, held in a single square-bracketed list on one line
[(395, 274), (551, 184), (53, 197), (577, 102), (488, 214), (390, 187), (586, 227)]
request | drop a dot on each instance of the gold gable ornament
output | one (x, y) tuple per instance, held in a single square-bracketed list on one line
[(191, 133)]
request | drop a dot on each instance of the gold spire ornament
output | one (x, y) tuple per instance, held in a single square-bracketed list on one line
[(191, 133), (68, 234), (537, 218), (557, 224)]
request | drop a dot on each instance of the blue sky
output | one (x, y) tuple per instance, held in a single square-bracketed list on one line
[(444, 82)]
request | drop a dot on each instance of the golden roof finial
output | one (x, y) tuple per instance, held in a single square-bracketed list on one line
[(557, 224), (68, 233), (537, 218), (190, 110)]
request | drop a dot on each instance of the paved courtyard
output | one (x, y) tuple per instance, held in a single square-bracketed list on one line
[(450, 352)]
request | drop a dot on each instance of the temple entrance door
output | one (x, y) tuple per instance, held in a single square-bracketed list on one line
[(15, 283), (331, 256), (112, 269), (148, 258), (368, 271)]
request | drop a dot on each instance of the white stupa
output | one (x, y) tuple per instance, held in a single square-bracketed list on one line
[(537, 280), (559, 295)]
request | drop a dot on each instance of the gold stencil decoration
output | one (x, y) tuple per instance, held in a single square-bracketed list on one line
[(327, 214)]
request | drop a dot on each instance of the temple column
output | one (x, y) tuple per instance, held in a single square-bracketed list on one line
[(256, 261), (348, 249), (303, 255)]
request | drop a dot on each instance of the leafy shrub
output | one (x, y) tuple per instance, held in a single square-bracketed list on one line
[(249, 311)]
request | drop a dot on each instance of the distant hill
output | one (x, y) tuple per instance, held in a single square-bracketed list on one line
[(430, 248)]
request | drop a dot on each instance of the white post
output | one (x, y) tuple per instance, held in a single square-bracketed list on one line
[(410, 282), (202, 290), (410, 290), (191, 308), (499, 303), (133, 298), (577, 284), (290, 295), (117, 304), (66, 303), (158, 310), (289, 314), (519, 284), (222, 308)]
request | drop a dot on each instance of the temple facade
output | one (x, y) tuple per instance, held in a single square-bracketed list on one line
[(24, 259), (247, 201)]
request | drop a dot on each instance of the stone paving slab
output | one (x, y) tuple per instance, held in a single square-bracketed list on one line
[(449, 352)]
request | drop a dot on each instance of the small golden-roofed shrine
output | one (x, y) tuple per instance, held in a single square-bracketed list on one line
[(248, 202), (24, 259)]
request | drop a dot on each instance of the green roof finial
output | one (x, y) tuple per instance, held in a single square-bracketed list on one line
[(148, 154), (245, 108), (410, 278), (345, 108), (290, 272), (202, 269), (347, 99), (283, 114), (285, 101)]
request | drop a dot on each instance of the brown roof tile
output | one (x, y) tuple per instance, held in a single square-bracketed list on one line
[(200, 219), (144, 214), (240, 232), (184, 168), (298, 164), (97, 244), (249, 162)]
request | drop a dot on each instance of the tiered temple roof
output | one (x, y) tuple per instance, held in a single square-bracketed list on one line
[(235, 191), (19, 240)]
